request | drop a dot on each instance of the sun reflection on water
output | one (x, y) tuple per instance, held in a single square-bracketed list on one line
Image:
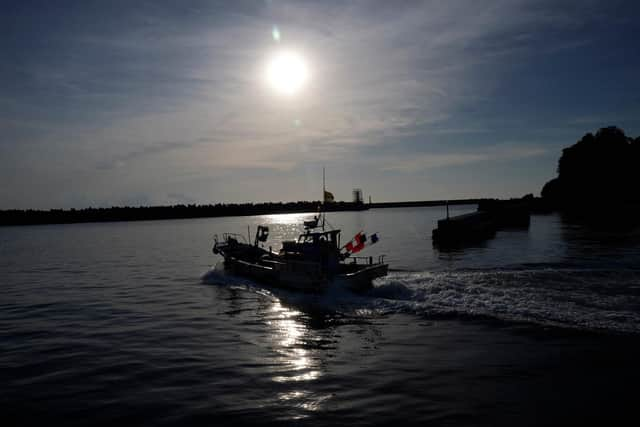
[(305, 400), (290, 218), (297, 364)]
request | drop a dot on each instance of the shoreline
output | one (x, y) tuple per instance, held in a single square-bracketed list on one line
[(17, 217)]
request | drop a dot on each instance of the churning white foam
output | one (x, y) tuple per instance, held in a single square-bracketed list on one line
[(579, 299), (583, 299)]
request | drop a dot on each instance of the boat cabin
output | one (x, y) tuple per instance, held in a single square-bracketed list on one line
[(322, 247), (332, 237)]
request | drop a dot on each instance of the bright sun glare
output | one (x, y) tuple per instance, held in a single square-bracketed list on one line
[(287, 72)]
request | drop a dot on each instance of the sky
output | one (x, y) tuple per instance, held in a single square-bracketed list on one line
[(109, 103)]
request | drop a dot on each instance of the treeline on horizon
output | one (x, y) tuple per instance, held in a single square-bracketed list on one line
[(181, 211), (141, 213)]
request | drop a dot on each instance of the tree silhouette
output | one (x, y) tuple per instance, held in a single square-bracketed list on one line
[(598, 168)]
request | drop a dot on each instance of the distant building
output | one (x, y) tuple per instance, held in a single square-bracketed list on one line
[(357, 195)]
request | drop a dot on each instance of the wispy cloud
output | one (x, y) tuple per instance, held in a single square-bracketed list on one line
[(497, 153), (164, 95)]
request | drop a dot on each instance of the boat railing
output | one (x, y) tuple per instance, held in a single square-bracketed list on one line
[(225, 237), (366, 259)]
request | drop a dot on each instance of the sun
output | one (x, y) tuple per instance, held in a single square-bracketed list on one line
[(287, 72)]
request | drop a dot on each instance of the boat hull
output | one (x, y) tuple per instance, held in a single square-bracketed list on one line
[(362, 280), (306, 278), (251, 270)]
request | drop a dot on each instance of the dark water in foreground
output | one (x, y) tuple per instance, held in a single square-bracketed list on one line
[(124, 323)]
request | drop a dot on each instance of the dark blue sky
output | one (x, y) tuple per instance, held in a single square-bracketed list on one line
[(109, 103)]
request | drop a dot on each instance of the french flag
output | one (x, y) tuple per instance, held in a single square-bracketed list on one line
[(358, 243)]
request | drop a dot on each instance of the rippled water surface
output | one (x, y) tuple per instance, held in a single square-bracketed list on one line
[(133, 323)]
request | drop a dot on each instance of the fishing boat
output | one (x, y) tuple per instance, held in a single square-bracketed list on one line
[(309, 263)]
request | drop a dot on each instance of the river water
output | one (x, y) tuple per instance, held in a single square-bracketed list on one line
[(133, 323)]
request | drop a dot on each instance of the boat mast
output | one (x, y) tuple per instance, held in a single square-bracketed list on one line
[(323, 197)]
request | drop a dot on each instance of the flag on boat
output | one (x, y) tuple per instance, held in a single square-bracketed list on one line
[(357, 243), (328, 197)]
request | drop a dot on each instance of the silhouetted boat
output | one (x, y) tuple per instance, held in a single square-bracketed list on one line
[(309, 263)]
